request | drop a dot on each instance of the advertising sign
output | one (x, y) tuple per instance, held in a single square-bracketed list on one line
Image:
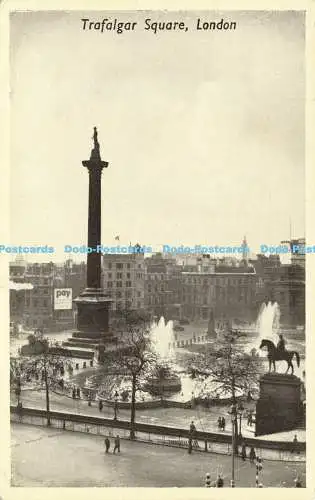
[(62, 298)]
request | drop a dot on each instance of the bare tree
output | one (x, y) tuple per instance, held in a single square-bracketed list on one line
[(227, 370), (46, 363), (133, 355)]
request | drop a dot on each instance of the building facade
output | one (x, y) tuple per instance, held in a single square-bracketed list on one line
[(220, 292), (123, 280)]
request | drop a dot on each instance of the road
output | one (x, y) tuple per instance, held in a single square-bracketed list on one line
[(50, 457)]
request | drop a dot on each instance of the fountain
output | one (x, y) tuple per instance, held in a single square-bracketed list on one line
[(268, 323), (163, 378)]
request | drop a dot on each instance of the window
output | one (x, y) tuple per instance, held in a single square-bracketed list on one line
[(139, 294), (119, 284), (128, 283), (119, 266), (118, 295), (35, 303), (109, 276), (110, 284), (128, 275), (119, 276), (139, 266), (45, 303), (128, 266), (139, 305), (109, 265)]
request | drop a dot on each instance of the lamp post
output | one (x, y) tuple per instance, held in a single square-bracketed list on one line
[(233, 414), (115, 405), (240, 410)]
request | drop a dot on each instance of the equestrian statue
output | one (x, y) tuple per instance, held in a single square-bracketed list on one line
[(279, 353)]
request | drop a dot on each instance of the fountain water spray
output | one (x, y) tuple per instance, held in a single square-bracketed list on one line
[(162, 338), (268, 323)]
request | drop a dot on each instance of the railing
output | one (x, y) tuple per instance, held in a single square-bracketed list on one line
[(156, 434)]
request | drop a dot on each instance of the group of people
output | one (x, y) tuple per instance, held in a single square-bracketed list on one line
[(218, 483), (252, 453), (116, 444)]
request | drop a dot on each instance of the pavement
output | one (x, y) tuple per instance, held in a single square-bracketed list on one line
[(204, 419), (50, 457)]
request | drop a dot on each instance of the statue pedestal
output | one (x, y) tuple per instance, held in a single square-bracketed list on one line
[(92, 325), (279, 405)]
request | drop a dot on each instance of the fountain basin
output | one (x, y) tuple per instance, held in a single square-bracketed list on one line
[(157, 386)]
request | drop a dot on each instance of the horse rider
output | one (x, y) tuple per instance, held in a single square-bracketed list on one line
[(281, 343)]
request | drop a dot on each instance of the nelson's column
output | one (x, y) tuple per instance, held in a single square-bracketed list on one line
[(92, 304)]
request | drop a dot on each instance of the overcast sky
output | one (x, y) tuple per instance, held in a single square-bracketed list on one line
[(203, 131)]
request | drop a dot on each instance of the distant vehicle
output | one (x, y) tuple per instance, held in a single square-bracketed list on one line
[(178, 328), (184, 321)]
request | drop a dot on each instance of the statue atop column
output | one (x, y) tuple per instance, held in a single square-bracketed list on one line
[(95, 153)]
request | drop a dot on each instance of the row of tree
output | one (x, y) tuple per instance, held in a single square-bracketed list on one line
[(224, 368)]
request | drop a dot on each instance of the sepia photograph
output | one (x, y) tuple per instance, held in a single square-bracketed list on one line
[(157, 253)]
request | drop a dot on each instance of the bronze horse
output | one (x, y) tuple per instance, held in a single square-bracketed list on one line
[(275, 355)]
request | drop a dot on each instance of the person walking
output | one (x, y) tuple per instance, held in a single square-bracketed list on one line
[(208, 481), (107, 444), (220, 482), (117, 444), (78, 392), (223, 423), (298, 482), (192, 428), (100, 405), (252, 455), (219, 423), (243, 454)]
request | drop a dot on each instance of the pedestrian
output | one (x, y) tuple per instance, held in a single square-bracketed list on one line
[(250, 419), (243, 454), (252, 454), (192, 428), (298, 482), (295, 440), (117, 444), (78, 392), (208, 481), (223, 423), (73, 393), (219, 423), (107, 444), (220, 482), (100, 405)]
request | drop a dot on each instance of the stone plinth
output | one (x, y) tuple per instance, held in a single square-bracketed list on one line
[(93, 313), (279, 405)]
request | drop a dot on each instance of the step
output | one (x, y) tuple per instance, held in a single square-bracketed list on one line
[(86, 335), (83, 345), (80, 353), (83, 340)]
